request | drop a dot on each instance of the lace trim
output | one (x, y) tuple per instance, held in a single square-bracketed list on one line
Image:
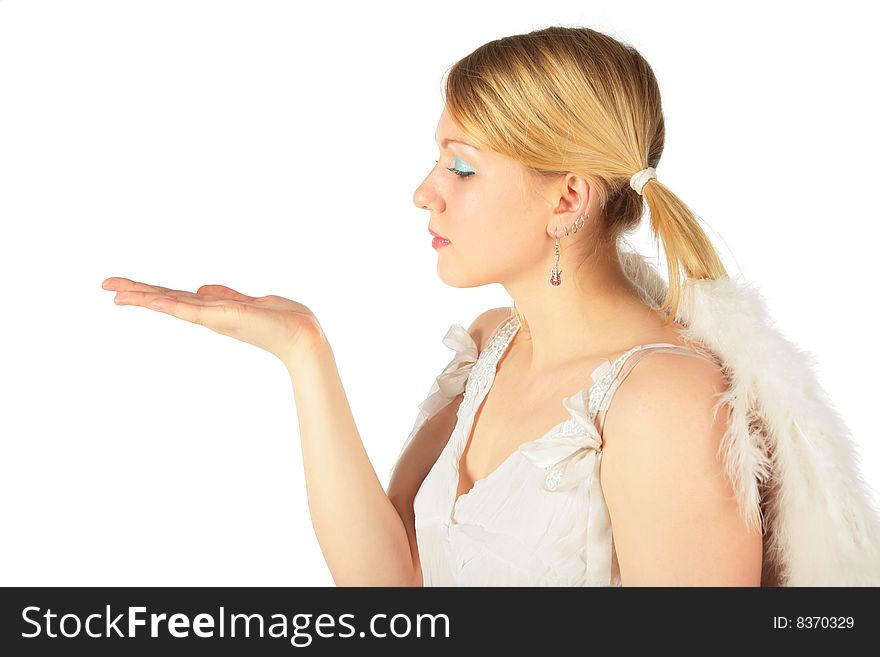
[(598, 390), (486, 363)]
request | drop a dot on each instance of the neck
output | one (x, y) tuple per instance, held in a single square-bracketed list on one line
[(596, 311)]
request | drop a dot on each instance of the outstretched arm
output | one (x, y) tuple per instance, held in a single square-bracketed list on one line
[(361, 534)]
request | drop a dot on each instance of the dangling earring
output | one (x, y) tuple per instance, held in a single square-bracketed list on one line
[(556, 273)]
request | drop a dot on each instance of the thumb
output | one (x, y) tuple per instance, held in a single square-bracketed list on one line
[(224, 292)]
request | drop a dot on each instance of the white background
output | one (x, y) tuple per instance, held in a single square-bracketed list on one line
[(275, 147)]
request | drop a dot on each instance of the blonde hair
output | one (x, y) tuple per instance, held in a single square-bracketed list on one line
[(571, 99)]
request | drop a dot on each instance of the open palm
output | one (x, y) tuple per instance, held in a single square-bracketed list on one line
[(280, 326)]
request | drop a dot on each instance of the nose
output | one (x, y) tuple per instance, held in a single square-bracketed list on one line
[(419, 198), (425, 195)]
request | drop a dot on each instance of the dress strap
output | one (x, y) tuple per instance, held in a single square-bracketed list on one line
[(498, 338), (603, 391)]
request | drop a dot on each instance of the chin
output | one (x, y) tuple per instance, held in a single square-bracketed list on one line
[(454, 277)]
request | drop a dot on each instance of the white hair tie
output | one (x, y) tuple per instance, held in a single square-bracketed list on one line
[(640, 178)]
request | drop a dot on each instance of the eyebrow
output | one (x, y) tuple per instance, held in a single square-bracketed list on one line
[(447, 140)]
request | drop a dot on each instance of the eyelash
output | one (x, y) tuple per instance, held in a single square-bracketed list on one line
[(460, 174)]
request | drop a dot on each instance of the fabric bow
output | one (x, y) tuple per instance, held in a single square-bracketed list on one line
[(568, 453), (453, 378), (449, 383)]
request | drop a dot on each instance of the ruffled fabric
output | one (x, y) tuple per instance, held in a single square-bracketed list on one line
[(450, 382), (571, 453)]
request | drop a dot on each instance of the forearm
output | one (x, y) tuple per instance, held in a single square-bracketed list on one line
[(362, 536)]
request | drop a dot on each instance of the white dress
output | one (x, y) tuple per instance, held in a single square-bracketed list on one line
[(540, 518)]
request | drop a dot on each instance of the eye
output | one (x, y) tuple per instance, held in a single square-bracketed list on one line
[(457, 172)]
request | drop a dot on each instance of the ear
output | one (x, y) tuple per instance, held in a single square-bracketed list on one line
[(572, 197)]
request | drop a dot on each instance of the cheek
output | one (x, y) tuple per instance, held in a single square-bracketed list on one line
[(485, 218), (497, 241)]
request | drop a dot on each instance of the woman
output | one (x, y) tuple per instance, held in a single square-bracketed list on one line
[(714, 469)]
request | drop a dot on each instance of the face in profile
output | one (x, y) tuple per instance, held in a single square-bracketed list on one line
[(485, 204)]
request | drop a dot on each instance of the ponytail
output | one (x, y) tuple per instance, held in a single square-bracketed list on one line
[(689, 251)]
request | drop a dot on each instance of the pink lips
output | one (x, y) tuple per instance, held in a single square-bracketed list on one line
[(438, 240)]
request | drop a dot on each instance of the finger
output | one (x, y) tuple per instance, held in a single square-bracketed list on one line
[(187, 310), (138, 298), (128, 285)]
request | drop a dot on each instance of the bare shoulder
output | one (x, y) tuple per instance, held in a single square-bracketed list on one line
[(673, 509), (486, 323), (665, 387)]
